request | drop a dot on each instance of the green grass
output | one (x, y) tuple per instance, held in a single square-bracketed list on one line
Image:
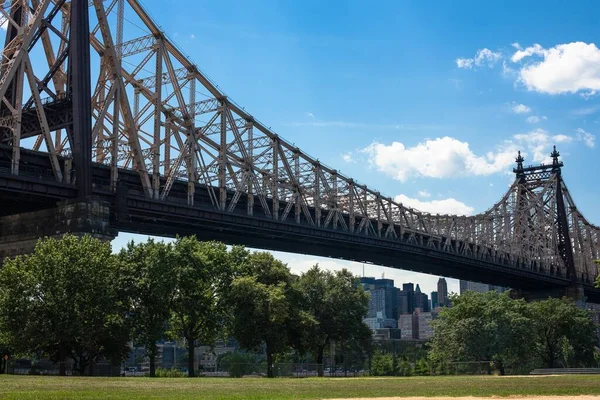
[(40, 387)]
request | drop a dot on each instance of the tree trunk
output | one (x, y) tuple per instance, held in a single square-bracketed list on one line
[(320, 351), (152, 356), (550, 360), (91, 369), (501, 367), (269, 363), (191, 348), (62, 360)]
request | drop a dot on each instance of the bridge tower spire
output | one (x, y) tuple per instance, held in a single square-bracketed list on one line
[(565, 247)]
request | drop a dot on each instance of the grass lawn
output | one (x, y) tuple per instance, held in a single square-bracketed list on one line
[(44, 387)]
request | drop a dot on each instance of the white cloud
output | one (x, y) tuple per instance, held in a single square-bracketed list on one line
[(507, 71), (586, 111), (192, 36), (310, 115), (566, 68), (588, 95), (445, 206), (444, 157), (424, 193), (482, 57), (348, 157), (528, 52), (586, 137), (447, 157), (534, 119), (538, 143), (520, 108), (562, 139)]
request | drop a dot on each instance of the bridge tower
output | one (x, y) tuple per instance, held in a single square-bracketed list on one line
[(45, 92), (543, 204)]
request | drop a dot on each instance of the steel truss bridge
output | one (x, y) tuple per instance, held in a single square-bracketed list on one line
[(97, 103)]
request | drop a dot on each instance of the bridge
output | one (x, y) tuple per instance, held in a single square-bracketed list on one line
[(107, 128)]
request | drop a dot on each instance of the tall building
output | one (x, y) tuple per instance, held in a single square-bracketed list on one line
[(479, 287), (420, 300), (424, 328), (416, 326), (408, 327), (442, 293), (406, 304), (383, 302), (434, 300)]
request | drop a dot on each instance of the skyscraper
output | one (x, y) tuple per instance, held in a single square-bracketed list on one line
[(420, 300), (442, 293), (383, 302), (406, 304), (434, 300)]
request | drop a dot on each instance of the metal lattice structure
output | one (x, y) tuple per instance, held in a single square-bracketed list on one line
[(154, 112)]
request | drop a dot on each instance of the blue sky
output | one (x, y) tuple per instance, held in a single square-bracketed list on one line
[(426, 101)]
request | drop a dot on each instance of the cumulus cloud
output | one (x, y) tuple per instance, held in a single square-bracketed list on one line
[(565, 68), (447, 157), (520, 108), (424, 193), (534, 119), (436, 158), (588, 139), (483, 57), (445, 206)]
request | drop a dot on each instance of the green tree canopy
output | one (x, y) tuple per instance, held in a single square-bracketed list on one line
[(512, 333), (563, 334), (482, 327), (334, 306), (148, 270), (261, 302), (203, 271), (66, 300)]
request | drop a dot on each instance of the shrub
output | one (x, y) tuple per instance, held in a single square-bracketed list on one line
[(382, 364), (169, 373)]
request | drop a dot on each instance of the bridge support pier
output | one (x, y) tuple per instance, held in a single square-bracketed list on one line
[(20, 232), (575, 292)]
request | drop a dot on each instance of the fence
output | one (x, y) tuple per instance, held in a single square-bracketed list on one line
[(283, 370)]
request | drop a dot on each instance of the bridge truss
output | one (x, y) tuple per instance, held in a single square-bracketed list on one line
[(154, 112)]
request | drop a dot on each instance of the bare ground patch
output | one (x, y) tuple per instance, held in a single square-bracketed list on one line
[(479, 398)]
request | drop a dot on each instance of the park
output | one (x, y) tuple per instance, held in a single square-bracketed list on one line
[(516, 387), (240, 278)]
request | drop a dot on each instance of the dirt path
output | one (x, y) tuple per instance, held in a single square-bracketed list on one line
[(483, 398)]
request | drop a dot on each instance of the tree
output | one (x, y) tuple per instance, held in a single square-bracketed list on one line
[(152, 283), (203, 273), (382, 364), (335, 306), (562, 333), (482, 327), (261, 302), (66, 300)]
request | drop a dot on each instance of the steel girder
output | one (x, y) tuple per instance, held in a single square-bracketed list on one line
[(154, 112)]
